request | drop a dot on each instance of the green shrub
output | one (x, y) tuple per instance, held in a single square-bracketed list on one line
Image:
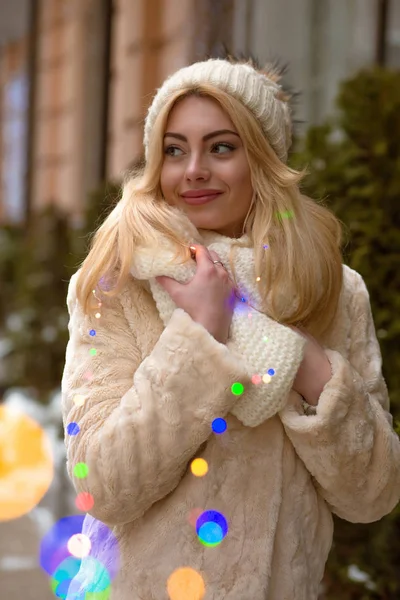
[(354, 166), (35, 269)]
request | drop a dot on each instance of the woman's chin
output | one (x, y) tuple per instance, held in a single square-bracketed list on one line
[(203, 223), (205, 218)]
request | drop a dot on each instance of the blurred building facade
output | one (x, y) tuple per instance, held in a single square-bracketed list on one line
[(77, 77)]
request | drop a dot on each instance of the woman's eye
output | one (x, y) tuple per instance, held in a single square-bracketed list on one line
[(227, 147), (170, 150)]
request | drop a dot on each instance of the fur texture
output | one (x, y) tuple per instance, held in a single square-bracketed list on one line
[(261, 342), (151, 395)]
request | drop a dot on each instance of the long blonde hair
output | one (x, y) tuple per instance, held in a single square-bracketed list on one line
[(303, 238)]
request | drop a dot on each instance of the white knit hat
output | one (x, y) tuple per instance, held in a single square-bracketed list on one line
[(255, 89)]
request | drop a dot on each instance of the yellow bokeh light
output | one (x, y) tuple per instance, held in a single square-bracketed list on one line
[(26, 464), (199, 467), (266, 378), (186, 584)]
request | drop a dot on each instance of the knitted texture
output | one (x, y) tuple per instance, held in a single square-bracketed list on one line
[(253, 88), (263, 343)]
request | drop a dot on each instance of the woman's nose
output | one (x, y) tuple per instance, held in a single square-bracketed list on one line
[(197, 168)]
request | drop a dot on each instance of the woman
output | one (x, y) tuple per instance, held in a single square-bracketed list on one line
[(219, 437)]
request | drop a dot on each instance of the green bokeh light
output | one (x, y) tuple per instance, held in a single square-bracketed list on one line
[(237, 389), (81, 470)]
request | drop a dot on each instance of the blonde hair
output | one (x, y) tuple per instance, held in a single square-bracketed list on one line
[(303, 237)]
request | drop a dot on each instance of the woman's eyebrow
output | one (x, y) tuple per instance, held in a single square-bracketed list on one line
[(179, 136)]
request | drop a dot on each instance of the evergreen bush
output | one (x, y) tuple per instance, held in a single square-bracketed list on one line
[(35, 269), (354, 168)]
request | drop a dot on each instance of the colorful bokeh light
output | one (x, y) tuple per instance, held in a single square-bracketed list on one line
[(81, 470), (211, 527), (186, 584), (26, 464), (219, 425), (78, 400), (237, 389), (84, 501), (81, 556), (88, 580), (210, 534), (199, 467), (54, 545), (79, 545), (194, 515), (73, 429)]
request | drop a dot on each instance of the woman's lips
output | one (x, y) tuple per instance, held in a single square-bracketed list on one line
[(201, 199)]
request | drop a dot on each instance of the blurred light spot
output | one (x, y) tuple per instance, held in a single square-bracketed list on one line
[(63, 575), (26, 464), (210, 534), (53, 547), (78, 400), (79, 545), (105, 546), (91, 582), (237, 389), (256, 379), (185, 584), (271, 372), (73, 429), (194, 515), (81, 470), (207, 533), (199, 467), (284, 214), (84, 501), (92, 332), (266, 378), (84, 578), (219, 425), (97, 315), (92, 351), (49, 333)]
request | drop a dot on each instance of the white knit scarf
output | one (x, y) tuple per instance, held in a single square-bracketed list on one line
[(272, 352)]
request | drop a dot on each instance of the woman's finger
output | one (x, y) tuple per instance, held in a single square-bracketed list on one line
[(214, 255)]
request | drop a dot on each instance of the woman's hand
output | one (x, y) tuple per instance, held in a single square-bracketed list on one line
[(314, 371), (209, 297)]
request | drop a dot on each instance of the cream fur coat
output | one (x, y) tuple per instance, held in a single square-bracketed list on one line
[(148, 404)]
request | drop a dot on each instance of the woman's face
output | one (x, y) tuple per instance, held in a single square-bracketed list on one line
[(203, 154)]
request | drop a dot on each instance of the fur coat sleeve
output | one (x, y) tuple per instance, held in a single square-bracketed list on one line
[(141, 420), (349, 445)]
